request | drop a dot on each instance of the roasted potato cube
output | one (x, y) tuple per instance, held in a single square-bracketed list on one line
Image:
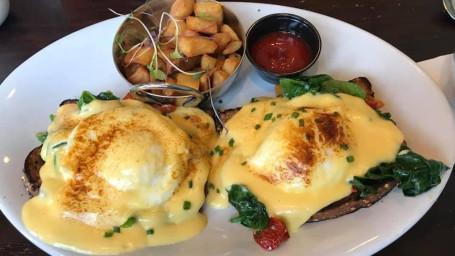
[(190, 33), (232, 47), (209, 11), (201, 25), (141, 55), (182, 8), (221, 39), (170, 30), (227, 29), (204, 82), (220, 61), (207, 62), (193, 46), (230, 64), (169, 92), (213, 70), (187, 80), (219, 76), (140, 76)]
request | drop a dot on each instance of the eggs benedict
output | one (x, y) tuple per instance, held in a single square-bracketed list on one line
[(298, 156), (120, 175)]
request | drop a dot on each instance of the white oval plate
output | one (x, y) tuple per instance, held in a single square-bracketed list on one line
[(82, 61)]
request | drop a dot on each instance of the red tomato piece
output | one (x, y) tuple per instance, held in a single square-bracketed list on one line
[(128, 96), (271, 237)]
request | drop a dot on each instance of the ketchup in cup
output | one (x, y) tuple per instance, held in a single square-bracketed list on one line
[(281, 52)]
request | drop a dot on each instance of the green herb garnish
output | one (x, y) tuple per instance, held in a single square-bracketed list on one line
[(252, 213), (186, 205), (414, 173), (129, 222), (41, 136), (150, 231), (231, 142), (268, 116)]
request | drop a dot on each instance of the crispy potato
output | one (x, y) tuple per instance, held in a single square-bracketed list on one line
[(232, 47), (141, 55), (201, 25), (213, 70), (193, 46), (227, 29), (230, 64), (182, 8), (170, 30), (220, 61), (187, 80), (204, 83), (221, 39), (169, 92), (140, 76), (209, 11), (219, 76), (190, 33), (207, 62)]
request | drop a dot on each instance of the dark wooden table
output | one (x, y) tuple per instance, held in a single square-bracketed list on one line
[(419, 28)]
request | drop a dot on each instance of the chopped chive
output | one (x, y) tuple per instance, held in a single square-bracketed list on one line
[(243, 163), (217, 191), (108, 233), (207, 124), (257, 126), (129, 222), (63, 143), (344, 146), (273, 119), (231, 142), (116, 229), (220, 101), (350, 159), (278, 116), (253, 109), (52, 117), (186, 205), (273, 103), (295, 114), (150, 231), (217, 148), (220, 152), (186, 117), (268, 116), (302, 109), (211, 186), (212, 153), (335, 114), (301, 123), (254, 100), (190, 184)]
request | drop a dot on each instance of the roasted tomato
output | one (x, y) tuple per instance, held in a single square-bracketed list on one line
[(271, 237)]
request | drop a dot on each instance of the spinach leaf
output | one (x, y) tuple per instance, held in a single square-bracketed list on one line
[(414, 173), (336, 86), (252, 213), (322, 83), (88, 97), (385, 115), (293, 87)]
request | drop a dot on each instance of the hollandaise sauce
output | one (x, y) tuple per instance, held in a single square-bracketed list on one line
[(119, 176), (298, 156)]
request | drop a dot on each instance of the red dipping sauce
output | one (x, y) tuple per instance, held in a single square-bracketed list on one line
[(280, 52)]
